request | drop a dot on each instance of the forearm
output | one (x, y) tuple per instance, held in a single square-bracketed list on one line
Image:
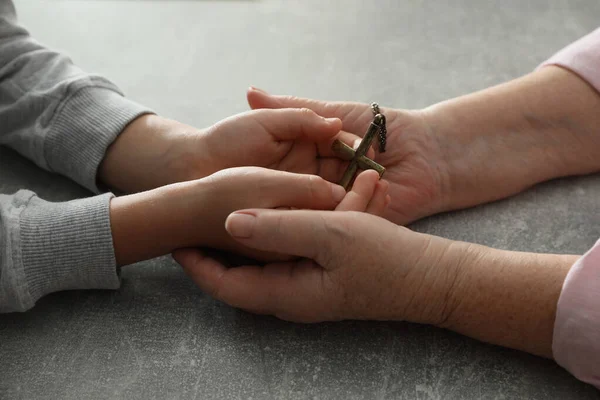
[(49, 247), (501, 140), (506, 298), (52, 112)]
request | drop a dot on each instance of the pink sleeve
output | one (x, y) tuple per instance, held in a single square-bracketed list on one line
[(576, 342), (581, 57)]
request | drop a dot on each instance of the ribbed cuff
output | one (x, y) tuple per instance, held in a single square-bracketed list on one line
[(67, 246), (86, 124)]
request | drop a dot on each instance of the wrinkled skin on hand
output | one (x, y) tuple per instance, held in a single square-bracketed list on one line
[(414, 163), (355, 266)]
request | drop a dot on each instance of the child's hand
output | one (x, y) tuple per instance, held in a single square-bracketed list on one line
[(294, 140), (240, 188), (154, 151), (192, 214)]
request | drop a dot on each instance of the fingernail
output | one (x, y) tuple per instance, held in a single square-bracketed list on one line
[(356, 143), (257, 89), (332, 120), (338, 192), (240, 225)]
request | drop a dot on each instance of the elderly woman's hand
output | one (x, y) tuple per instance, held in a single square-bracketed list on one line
[(476, 148), (359, 266)]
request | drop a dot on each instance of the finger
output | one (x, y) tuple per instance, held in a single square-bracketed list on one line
[(331, 169), (238, 287), (362, 191), (370, 152), (204, 271), (379, 201), (282, 289), (298, 123), (301, 233), (260, 99), (355, 116), (287, 189), (350, 139)]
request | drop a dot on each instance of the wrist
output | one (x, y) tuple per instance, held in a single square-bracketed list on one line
[(427, 289), (485, 157), (449, 260), (502, 140), (153, 151), (465, 257), (508, 298), (155, 222)]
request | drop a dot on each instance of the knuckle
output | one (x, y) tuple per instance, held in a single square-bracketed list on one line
[(262, 119), (253, 176), (262, 112), (306, 112), (337, 236), (316, 188), (277, 226), (333, 107), (272, 180), (338, 230), (216, 290)]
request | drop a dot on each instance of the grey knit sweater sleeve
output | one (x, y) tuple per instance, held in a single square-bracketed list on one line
[(63, 120)]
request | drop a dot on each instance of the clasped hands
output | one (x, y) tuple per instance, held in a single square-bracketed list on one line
[(259, 184)]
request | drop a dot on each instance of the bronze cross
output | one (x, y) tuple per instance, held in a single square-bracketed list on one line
[(357, 158)]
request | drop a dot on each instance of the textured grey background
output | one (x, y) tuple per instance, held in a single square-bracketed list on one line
[(159, 336)]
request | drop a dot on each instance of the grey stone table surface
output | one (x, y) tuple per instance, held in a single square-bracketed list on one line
[(159, 336)]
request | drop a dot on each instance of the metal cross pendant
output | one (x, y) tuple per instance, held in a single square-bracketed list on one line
[(357, 158)]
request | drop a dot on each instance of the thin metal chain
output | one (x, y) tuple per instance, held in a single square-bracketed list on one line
[(382, 127)]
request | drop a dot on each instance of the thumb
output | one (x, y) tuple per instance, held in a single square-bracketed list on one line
[(303, 233), (258, 98)]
